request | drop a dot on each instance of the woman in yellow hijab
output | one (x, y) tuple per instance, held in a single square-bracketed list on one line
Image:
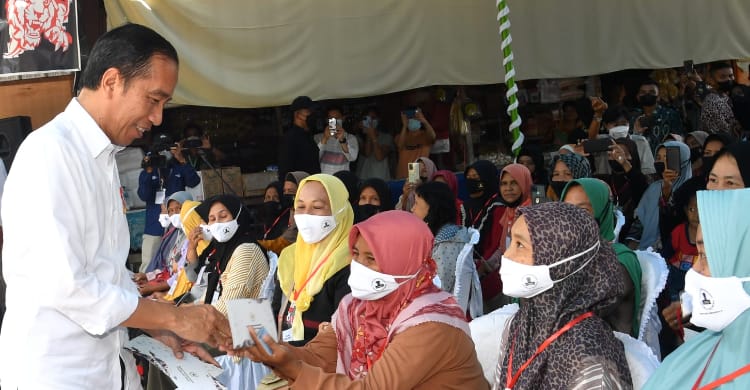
[(314, 271)]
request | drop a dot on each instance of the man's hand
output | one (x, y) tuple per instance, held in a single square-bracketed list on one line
[(179, 346), (202, 323), (404, 121), (176, 151)]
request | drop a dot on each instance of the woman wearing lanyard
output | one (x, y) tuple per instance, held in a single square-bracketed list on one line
[(313, 271), (565, 274), (718, 291), (396, 330)]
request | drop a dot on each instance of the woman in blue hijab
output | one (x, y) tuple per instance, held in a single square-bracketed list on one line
[(719, 290)]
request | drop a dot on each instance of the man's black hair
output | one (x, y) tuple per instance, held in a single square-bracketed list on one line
[(128, 48)]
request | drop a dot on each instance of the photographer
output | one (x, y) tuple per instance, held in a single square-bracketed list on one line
[(165, 171), (196, 141)]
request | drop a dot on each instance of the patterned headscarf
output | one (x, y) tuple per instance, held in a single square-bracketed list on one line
[(401, 245), (299, 261), (558, 231), (578, 165)]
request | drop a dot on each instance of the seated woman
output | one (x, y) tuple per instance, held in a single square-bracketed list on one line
[(592, 195), (451, 180), (237, 264), (427, 169), (390, 337), (720, 297), (515, 191), (291, 183), (435, 205), (564, 273), (731, 169), (272, 214), (656, 211), (564, 168), (313, 271), (169, 248), (374, 197)]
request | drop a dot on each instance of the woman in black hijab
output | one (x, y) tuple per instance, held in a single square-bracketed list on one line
[(373, 197), (236, 264)]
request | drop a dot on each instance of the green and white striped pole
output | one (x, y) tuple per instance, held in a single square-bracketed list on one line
[(510, 72)]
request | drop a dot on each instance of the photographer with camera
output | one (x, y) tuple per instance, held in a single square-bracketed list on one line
[(197, 146), (337, 147), (165, 171)]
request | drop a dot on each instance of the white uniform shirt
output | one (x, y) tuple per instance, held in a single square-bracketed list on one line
[(66, 243)]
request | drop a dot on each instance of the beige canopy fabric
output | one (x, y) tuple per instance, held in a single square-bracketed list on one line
[(260, 53)]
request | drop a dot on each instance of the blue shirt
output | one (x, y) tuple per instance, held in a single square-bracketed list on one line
[(177, 177)]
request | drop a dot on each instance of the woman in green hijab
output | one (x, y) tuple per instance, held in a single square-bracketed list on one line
[(593, 196), (719, 290)]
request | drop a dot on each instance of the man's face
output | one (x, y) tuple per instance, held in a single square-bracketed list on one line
[(725, 74), (139, 105), (648, 89)]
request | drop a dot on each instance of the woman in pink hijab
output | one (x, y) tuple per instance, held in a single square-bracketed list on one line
[(384, 335)]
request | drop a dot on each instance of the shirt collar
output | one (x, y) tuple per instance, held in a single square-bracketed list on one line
[(93, 136)]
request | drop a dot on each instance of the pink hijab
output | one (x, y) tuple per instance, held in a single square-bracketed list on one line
[(402, 245), (522, 175)]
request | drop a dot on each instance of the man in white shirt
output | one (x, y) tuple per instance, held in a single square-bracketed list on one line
[(70, 297), (337, 147), (3, 176)]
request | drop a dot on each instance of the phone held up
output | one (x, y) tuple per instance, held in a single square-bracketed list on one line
[(411, 113), (673, 158), (597, 145), (332, 126), (413, 172)]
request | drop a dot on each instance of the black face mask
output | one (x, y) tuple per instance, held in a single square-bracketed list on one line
[(558, 187), (660, 167), (616, 167), (725, 86), (647, 100), (474, 186), (365, 211), (708, 163), (287, 201), (696, 154), (269, 211)]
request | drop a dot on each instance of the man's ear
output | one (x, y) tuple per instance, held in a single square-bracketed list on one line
[(111, 80)]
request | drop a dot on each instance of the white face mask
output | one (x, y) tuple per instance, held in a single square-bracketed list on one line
[(369, 285), (618, 132), (176, 222), (716, 302), (314, 228), (164, 220), (527, 281), (206, 232)]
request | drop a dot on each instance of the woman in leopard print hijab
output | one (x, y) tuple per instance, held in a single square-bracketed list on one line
[(588, 354)]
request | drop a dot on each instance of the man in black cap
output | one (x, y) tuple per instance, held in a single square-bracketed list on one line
[(299, 151)]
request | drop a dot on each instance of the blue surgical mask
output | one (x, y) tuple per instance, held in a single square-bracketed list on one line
[(414, 125)]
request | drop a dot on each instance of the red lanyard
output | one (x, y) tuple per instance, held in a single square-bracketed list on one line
[(476, 218), (511, 379), (296, 291), (273, 225), (724, 379)]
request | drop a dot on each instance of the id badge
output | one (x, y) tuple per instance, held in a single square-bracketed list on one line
[(160, 195), (286, 336), (199, 280)]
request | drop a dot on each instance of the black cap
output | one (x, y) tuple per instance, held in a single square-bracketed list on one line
[(302, 102)]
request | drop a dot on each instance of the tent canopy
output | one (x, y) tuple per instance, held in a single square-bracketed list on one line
[(260, 53)]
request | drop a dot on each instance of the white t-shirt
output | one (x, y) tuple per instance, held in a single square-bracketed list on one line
[(66, 243)]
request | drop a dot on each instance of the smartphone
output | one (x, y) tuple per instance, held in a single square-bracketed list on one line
[(673, 158), (688, 66), (411, 113), (332, 125), (413, 172), (597, 145), (646, 121)]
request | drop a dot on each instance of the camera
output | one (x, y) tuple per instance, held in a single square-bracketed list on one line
[(192, 143), (162, 142), (153, 159)]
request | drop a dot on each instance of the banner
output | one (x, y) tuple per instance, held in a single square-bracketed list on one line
[(39, 36)]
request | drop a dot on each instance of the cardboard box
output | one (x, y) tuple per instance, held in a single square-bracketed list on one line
[(254, 184), (212, 184)]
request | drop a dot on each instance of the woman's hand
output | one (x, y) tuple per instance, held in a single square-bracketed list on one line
[(140, 278), (195, 236), (598, 105), (281, 359), (671, 315), (408, 189)]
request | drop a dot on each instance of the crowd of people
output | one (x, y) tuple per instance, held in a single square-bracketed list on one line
[(375, 288)]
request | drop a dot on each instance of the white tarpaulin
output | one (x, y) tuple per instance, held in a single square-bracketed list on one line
[(255, 53)]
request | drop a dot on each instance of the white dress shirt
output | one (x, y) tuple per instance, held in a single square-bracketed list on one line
[(66, 243)]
